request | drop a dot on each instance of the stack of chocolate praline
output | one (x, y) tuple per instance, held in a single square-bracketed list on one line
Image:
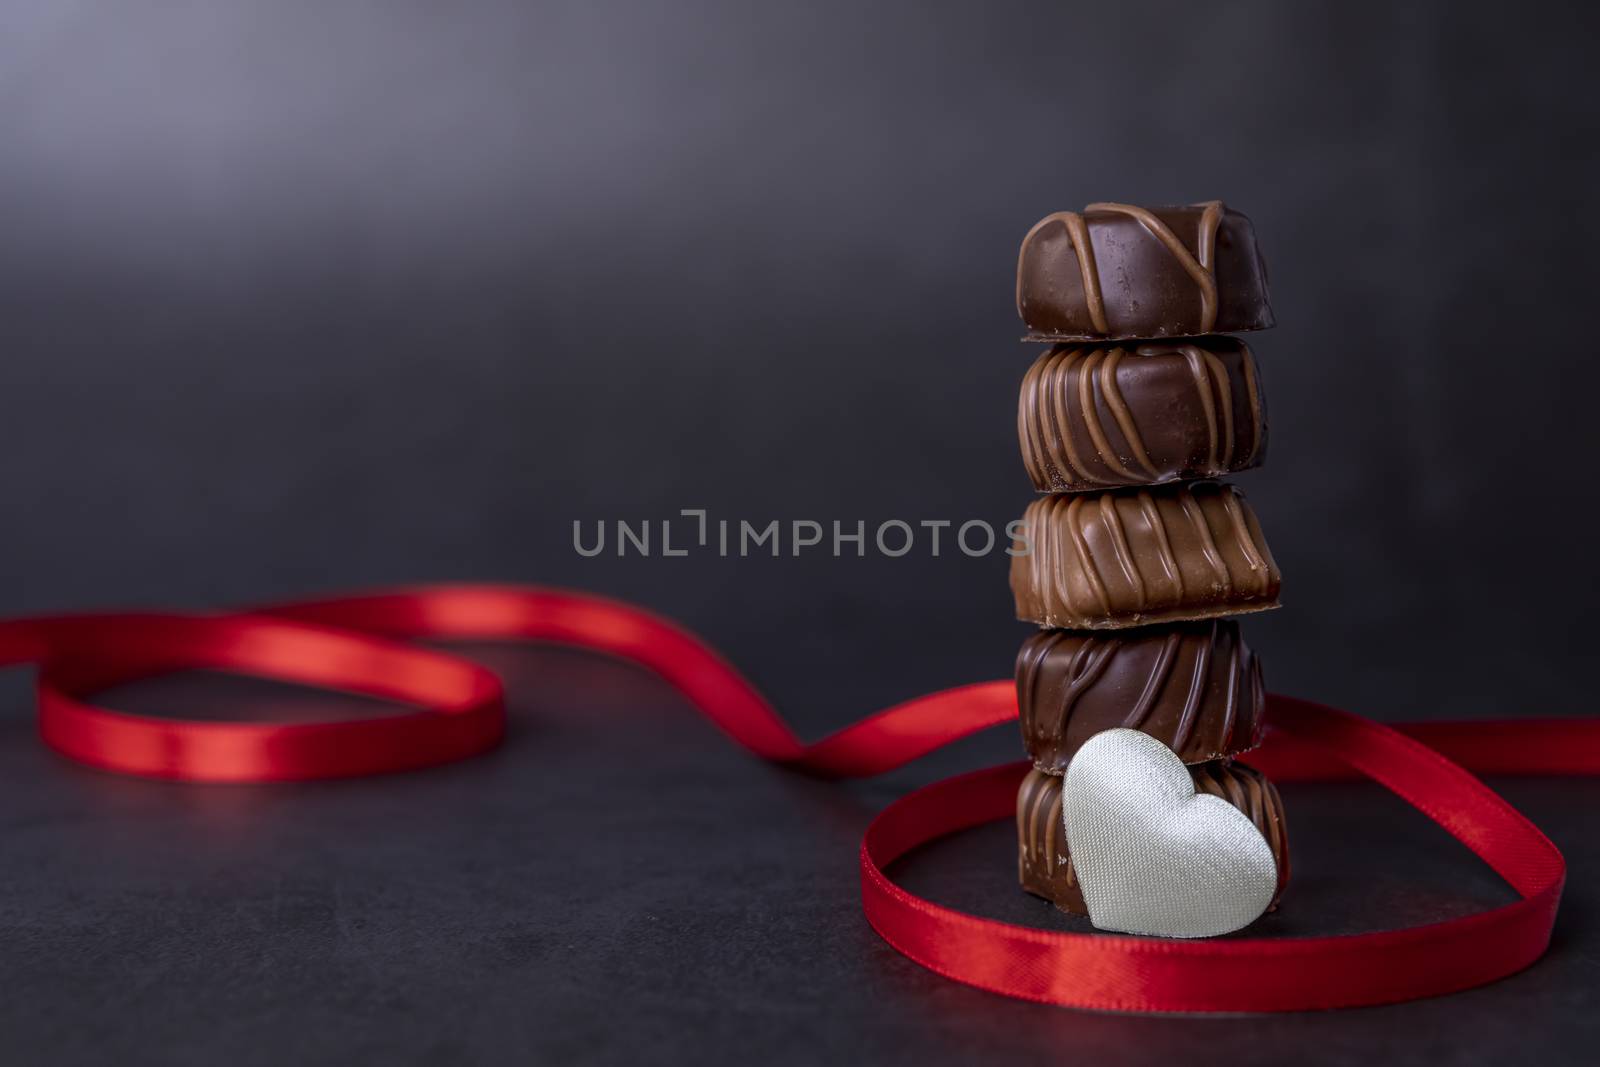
[(1134, 559)]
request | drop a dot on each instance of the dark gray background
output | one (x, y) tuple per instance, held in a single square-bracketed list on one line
[(304, 296)]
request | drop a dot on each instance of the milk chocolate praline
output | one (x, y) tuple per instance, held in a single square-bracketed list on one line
[(1130, 557), (1117, 270)]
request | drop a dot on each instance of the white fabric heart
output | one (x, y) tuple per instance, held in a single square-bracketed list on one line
[(1151, 855)]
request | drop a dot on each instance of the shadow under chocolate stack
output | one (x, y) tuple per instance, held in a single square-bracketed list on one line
[(1135, 556)]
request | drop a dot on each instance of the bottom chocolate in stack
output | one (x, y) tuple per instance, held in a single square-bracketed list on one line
[(1045, 867)]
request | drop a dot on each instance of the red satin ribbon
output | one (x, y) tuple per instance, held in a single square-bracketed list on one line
[(352, 644)]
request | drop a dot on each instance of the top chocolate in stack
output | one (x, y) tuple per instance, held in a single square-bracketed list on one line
[(1121, 426), (1117, 271)]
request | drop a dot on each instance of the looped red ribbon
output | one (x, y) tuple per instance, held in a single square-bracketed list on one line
[(353, 644)]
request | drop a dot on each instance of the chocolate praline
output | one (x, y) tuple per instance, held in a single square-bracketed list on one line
[(1119, 270), (1141, 413), (1132, 557), (1195, 687)]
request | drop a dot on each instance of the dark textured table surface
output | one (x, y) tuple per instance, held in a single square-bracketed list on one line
[(618, 884)]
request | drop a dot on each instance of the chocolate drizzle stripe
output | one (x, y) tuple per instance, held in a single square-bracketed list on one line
[(1082, 673), (1202, 384), (1169, 562), (1083, 248), (1257, 414), (1028, 664), (1242, 796), (1230, 703), (1030, 845), (1091, 413), (1247, 544), (1098, 654), (1200, 270), (1210, 223), (1202, 530), (1038, 811), (1219, 377), (1062, 407), (1254, 804), (1191, 704), (1156, 682), (1119, 411), (1024, 802), (1119, 548), (1038, 831), (1085, 561), (1028, 430)]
